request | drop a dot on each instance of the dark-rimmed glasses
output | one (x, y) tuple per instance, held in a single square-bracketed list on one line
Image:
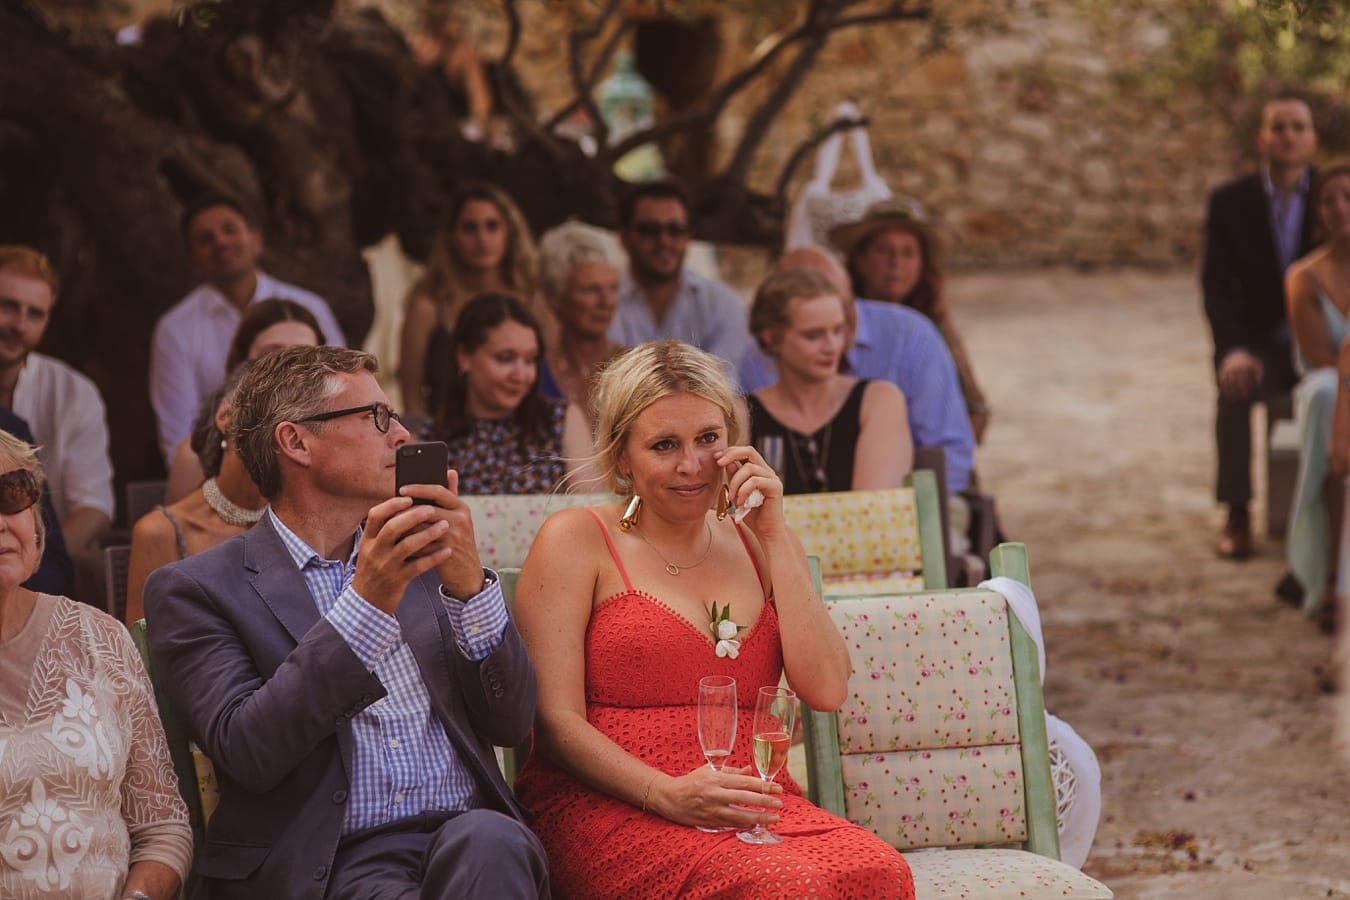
[(19, 490), (652, 229), (382, 413)]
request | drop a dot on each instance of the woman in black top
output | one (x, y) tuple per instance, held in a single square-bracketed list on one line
[(822, 431)]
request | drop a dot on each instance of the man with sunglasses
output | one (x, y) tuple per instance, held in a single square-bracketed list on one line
[(347, 664), (661, 298)]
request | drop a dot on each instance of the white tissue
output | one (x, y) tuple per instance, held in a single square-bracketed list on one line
[(754, 501)]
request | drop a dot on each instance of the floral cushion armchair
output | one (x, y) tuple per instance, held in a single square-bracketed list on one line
[(941, 742)]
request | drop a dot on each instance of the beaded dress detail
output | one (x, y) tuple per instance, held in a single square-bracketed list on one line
[(643, 663)]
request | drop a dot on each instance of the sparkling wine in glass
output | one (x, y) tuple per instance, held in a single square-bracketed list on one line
[(717, 724), (774, 711)]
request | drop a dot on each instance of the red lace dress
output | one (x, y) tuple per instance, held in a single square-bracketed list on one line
[(643, 663)]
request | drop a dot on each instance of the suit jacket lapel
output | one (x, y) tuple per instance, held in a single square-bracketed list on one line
[(277, 580)]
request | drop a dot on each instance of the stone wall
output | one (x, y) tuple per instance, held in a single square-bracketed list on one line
[(1034, 139)]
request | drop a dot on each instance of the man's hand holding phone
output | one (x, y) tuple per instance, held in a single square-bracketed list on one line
[(422, 473)]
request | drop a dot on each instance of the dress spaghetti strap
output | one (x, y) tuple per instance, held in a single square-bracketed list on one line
[(740, 532), (612, 552)]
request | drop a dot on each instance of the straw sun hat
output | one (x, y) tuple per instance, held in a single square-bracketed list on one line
[(904, 213)]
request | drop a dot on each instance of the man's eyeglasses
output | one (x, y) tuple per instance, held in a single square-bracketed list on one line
[(383, 414), (19, 490), (653, 229)]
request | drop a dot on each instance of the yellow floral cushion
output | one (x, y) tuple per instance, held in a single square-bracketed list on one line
[(857, 533), (505, 524), (996, 875)]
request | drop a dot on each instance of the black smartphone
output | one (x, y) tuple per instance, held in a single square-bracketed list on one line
[(421, 464)]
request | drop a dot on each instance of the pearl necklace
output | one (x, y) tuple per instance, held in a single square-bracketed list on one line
[(230, 513), (671, 567)]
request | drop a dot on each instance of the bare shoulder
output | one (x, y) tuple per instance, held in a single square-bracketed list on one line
[(152, 528)]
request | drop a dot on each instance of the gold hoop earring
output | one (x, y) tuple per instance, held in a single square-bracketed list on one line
[(724, 502), (629, 518)]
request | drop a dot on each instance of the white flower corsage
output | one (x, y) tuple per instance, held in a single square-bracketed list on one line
[(724, 632)]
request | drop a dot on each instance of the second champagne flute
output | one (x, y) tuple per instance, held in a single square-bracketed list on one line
[(774, 711), (717, 712)]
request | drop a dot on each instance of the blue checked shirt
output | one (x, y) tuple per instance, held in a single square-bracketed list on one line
[(896, 344), (402, 763)]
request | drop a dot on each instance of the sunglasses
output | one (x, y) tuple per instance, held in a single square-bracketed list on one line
[(653, 229), (19, 490), (382, 413)]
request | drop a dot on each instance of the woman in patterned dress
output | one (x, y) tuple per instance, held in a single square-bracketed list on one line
[(89, 804), (504, 436)]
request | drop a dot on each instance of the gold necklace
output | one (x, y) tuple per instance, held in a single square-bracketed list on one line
[(671, 567)]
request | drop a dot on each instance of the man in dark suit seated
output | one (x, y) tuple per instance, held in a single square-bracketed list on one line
[(348, 664), (1257, 226)]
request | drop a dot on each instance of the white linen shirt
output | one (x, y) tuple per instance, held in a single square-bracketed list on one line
[(191, 342), (65, 412), (705, 313)]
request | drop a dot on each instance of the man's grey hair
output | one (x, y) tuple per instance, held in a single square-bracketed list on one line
[(287, 385)]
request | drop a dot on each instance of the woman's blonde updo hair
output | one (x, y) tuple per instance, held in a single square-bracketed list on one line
[(640, 377)]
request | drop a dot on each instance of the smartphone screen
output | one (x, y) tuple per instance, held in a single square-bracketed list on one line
[(421, 464)]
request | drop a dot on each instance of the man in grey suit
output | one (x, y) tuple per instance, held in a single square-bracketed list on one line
[(347, 663)]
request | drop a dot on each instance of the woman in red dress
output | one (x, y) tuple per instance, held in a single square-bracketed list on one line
[(615, 606)]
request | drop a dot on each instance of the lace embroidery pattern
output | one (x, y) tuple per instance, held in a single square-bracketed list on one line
[(86, 782)]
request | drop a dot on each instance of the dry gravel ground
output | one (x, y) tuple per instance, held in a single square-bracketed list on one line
[(1199, 692)]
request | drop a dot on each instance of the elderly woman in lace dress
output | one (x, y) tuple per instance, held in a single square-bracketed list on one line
[(89, 804)]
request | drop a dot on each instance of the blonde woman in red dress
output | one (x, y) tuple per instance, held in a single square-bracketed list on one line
[(615, 606)]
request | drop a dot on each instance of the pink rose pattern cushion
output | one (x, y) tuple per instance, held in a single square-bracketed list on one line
[(857, 533), (929, 671), (938, 798), (998, 874), (928, 734)]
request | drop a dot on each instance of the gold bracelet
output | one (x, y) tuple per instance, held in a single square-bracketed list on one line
[(648, 791)]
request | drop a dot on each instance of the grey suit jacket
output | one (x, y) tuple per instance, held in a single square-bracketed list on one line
[(268, 689)]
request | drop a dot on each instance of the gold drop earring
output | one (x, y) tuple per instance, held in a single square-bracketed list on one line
[(629, 518), (724, 502)]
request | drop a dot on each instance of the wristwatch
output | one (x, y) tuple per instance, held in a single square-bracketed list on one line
[(135, 895)]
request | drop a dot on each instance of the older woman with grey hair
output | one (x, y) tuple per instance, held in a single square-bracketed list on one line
[(579, 275)]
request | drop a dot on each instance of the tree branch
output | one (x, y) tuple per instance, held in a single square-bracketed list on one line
[(519, 115), (584, 83), (757, 128), (780, 187), (818, 21)]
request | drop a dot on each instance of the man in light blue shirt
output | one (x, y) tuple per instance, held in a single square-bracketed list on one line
[(347, 663), (899, 345), (661, 298)]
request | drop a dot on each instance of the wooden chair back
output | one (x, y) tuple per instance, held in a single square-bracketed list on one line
[(116, 566), (142, 496)]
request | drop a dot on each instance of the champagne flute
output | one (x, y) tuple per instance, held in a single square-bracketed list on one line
[(774, 710), (717, 725)]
